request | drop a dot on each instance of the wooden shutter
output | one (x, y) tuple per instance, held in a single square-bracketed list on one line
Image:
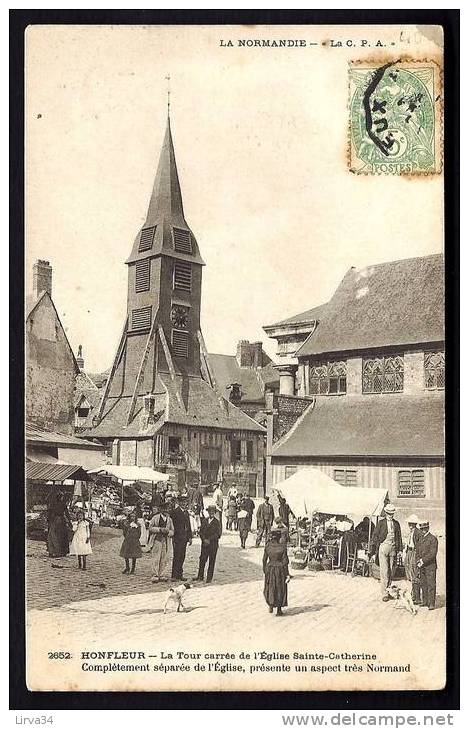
[(142, 275), (141, 318), (180, 342), (146, 239), (182, 276), (182, 240)]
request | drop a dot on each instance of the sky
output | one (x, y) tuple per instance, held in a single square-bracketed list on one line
[(260, 137)]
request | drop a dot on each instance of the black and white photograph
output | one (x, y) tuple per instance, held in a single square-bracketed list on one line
[(235, 358)]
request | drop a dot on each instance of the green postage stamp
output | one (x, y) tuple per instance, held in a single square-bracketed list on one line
[(395, 118)]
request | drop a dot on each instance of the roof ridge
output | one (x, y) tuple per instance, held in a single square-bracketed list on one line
[(397, 260)]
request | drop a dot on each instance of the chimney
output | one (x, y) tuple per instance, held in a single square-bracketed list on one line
[(79, 358), (235, 393), (42, 278), (243, 353), (257, 354)]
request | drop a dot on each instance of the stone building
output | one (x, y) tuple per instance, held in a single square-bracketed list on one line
[(51, 367), (370, 404), (161, 403)]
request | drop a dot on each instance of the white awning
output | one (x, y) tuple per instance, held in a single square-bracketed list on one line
[(311, 491), (132, 473)]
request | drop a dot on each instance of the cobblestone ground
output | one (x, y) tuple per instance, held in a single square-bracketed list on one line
[(103, 607)]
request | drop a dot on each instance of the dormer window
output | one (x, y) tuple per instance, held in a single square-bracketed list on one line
[(182, 240), (146, 239)]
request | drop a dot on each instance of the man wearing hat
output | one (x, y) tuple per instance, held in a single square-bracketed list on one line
[(161, 530), (410, 562), (210, 533), (265, 518), (425, 555), (385, 546), (181, 538)]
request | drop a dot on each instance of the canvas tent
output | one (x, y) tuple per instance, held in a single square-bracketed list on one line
[(310, 491)]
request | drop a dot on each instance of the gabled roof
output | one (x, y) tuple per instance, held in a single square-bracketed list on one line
[(389, 304), (165, 210), (30, 306), (92, 396), (227, 371), (37, 436), (368, 425), (305, 317), (185, 401)]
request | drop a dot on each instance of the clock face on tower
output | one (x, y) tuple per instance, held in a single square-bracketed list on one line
[(179, 316)]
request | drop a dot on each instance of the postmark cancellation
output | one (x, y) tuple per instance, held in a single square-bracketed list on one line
[(395, 118)]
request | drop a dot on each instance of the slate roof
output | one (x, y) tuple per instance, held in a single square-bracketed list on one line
[(166, 210), (37, 436), (99, 378), (396, 303), (314, 314), (201, 408), (227, 371), (368, 425)]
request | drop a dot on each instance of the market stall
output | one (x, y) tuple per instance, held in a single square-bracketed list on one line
[(42, 479), (131, 475), (334, 522)]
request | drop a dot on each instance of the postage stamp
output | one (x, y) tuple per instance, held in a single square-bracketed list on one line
[(395, 118)]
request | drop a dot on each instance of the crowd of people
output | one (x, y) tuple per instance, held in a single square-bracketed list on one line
[(165, 528), (418, 552)]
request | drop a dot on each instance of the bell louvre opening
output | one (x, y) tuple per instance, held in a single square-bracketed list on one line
[(146, 239), (180, 343), (182, 276), (182, 240), (142, 275), (141, 318)]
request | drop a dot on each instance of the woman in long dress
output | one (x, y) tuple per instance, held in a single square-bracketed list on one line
[(59, 526), (276, 576)]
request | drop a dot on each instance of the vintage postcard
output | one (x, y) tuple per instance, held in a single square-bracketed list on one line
[(235, 358)]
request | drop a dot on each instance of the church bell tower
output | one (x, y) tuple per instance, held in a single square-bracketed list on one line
[(165, 277)]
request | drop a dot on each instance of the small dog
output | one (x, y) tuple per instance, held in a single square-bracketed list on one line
[(403, 598), (176, 594)]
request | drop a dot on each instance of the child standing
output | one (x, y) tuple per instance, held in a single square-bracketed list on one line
[(81, 542), (131, 548), (232, 514)]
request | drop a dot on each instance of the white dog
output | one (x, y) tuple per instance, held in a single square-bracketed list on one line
[(403, 598), (176, 594)]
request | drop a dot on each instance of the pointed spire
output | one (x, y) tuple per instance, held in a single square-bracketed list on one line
[(166, 198), (165, 210)]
